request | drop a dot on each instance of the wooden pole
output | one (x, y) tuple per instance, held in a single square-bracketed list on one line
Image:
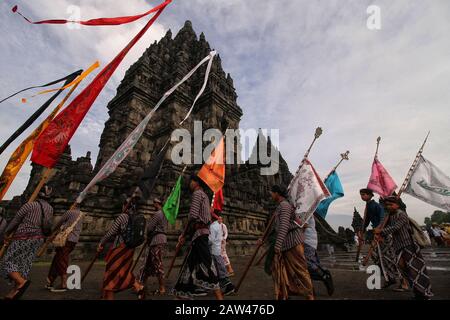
[(90, 266), (265, 235), (261, 258), (139, 256), (317, 134)]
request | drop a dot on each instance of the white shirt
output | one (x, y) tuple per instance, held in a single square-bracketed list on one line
[(215, 238), (311, 233)]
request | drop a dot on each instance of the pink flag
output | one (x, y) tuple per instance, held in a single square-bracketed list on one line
[(380, 181)]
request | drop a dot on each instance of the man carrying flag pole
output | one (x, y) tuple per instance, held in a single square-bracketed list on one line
[(397, 223), (198, 269), (315, 269), (384, 255)]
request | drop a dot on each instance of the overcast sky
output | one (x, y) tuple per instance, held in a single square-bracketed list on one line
[(296, 65)]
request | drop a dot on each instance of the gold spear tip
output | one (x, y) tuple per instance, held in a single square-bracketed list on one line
[(378, 139)]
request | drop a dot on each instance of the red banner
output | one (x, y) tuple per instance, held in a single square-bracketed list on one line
[(54, 140), (97, 22)]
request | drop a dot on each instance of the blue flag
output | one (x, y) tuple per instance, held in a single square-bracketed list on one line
[(335, 187)]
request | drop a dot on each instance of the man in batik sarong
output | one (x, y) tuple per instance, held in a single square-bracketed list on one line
[(409, 258), (289, 267), (70, 219), (383, 254), (157, 239), (119, 259), (25, 234), (198, 270)]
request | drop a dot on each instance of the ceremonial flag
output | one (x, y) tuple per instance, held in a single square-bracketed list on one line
[(22, 152), (148, 180), (70, 76), (218, 201), (380, 181), (82, 76), (38, 113), (172, 204), (333, 184), (213, 171), (306, 191), (54, 140), (99, 21), (125, 148), (428, 183)]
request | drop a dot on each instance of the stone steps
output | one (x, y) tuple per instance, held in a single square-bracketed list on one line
[(436, 258)]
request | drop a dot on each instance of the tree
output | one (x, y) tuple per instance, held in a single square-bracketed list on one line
[(438, 217)]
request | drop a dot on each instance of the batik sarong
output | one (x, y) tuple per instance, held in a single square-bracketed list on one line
[(290, 274), (119, 262), (19, 257), (412, 266), (387, 260), (60, 261), (154, 263), (198, 269)]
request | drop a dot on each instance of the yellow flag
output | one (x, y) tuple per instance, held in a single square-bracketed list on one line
[(22, 152)]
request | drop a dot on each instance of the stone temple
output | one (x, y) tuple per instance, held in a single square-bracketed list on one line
[(247, 200)]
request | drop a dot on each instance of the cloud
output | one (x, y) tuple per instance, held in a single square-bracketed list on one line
[(296, 65)]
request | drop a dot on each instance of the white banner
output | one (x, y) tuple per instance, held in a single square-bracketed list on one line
[(428, 183), (306, 191)]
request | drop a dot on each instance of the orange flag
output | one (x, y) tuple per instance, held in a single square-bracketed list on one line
[(213, 171)]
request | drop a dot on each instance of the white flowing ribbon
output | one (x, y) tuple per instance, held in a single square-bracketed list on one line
[(125, 148)]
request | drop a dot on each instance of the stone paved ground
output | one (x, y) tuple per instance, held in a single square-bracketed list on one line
[(350, 285)]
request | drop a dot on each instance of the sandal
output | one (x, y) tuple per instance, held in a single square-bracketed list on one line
[(21, 290)]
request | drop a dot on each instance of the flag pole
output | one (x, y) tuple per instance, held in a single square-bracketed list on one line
[(178, 246), (344, 156), (317, 134), (247, 268), (378, 146), (413, 166)]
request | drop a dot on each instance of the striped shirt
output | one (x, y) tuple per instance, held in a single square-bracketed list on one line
[(117, 230), (157, 228), (200, 212), (67, 220), (289, 235), (28, 220), (3, 225), (398, 226)]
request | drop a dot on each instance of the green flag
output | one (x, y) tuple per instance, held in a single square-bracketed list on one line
[(172, 204)]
